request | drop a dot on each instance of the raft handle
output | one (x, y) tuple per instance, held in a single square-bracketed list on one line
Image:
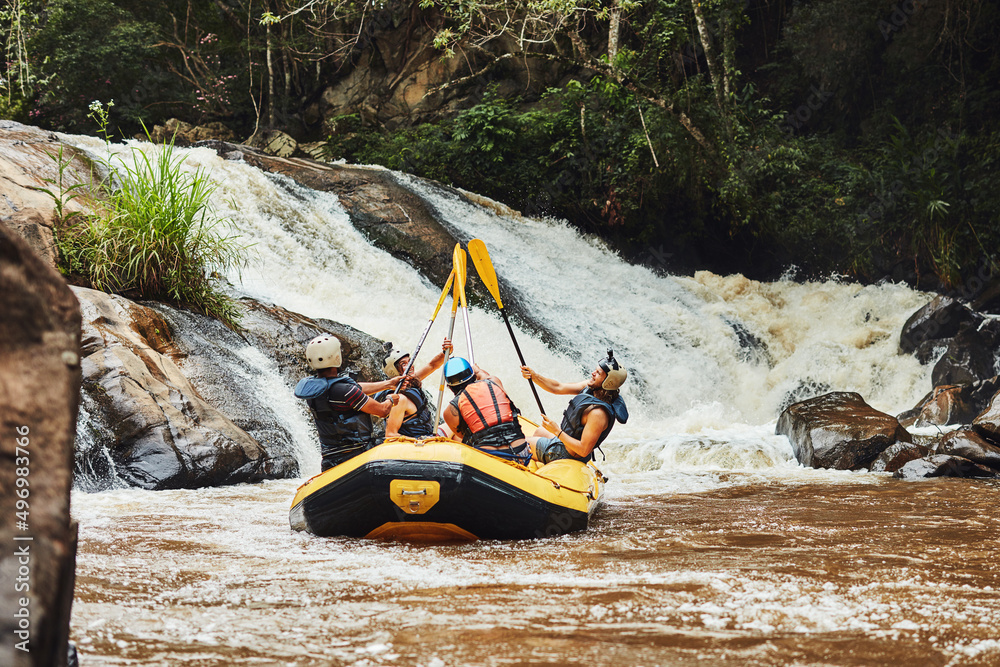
[(421, 492)]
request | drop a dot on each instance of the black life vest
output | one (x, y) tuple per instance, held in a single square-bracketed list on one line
[(341, 434), (421, 423), (572, 422)]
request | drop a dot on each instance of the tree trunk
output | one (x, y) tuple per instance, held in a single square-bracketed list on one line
[(288, 77), (613, 31), (714, 69), (270, 82)]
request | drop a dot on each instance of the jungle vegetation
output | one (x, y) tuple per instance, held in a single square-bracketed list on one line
[(853, 137)]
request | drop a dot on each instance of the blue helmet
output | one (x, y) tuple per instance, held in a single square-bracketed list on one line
[(458, 371)]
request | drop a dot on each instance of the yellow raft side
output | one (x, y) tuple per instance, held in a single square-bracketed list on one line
[(566, 483)]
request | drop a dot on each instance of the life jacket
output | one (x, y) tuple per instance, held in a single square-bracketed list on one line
[(488, 416), (421, 423), (341, 434), (572, 422)]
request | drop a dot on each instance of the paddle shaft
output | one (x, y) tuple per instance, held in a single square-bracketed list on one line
[(451, 330), (520, 357), (484, 266), (423, 336)]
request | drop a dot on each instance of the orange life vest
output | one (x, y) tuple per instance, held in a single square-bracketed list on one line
[(482, 404)]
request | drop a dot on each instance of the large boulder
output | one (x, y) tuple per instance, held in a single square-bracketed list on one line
[(39, 393), (970, 355), (970, 445), (952, 404), (146, 421), (943, 465), (938, 320), (839, 430), (250, 376)]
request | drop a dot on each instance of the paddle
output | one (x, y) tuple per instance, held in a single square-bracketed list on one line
[(458, 259), (423, 336), (484, 267), (451, 330)]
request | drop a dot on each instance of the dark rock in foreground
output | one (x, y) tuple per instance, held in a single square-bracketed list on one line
[(987, 424), (940, 319), (839, 430), (898, 455), (952, 404), (39, 394), (942, 465), (968, 444), (970, 356)]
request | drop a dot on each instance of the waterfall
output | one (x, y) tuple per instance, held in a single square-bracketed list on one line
[(712, 359)]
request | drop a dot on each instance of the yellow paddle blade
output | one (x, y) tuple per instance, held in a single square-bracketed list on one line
[(444, 294), (484, 267), (456, 270), (458, 258)]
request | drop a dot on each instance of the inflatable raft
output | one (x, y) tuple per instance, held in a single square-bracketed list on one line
[(439, 490)]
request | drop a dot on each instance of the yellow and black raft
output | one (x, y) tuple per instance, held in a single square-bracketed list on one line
[(439, 490)]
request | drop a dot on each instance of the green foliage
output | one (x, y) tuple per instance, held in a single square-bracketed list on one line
[(91, 48), (156, 237), (60, 189)]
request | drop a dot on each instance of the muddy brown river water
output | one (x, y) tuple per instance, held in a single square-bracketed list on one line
[(825, 570)]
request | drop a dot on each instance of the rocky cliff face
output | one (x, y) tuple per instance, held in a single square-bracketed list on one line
[(39, 393)]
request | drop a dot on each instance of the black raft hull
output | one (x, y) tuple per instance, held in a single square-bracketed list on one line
[(436, 489)]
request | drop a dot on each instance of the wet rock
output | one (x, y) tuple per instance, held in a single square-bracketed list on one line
[(988, 300), (987, 423), (940, 319), (952, 404), (943, 465), (807, 388), (752, 348), (250, 376), (273, 142), (839, 430), (282, 335), (39, 393), (970, 356), (148, 423), (897, 455), (970, 445)]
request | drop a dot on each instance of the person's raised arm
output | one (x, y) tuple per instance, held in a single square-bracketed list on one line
[(594, 423), (436, 361), (372, 388), (553, 386), (397, 414)]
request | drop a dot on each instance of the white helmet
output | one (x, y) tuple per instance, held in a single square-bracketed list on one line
[(616, 374), (323, 351), (395, 354)]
